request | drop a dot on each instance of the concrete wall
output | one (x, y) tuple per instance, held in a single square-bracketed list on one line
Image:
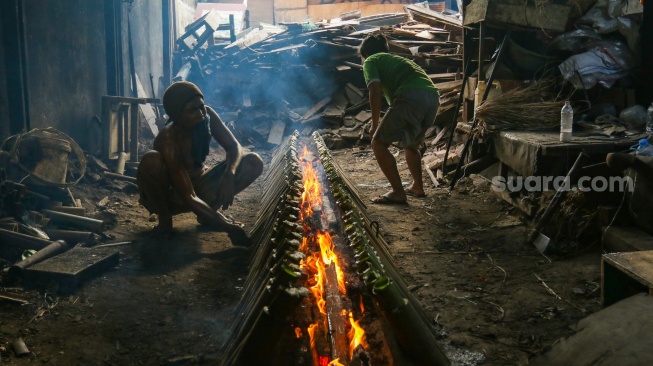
[(147, 42), (4, 107), (184, 14), (65, 63), (260, 11)]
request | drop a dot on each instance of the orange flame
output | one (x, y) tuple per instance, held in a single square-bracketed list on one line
[(303, 247), (356, 334), (311, 196), (318, 288), (362, 307), (329, 257), (317, 262), (311, 334)]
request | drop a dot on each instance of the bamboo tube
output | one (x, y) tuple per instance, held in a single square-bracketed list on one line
[(71, 236), (410, 330), (19, 347), (77, 211), (22, 241), (120, 177), (61, 218), (51, 250)]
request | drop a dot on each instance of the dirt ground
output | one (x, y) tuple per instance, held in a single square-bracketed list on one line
[(494, 299)]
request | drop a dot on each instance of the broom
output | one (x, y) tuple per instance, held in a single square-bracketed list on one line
[(529, 108)]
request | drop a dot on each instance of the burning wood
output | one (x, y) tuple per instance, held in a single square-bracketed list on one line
[(303, 258)]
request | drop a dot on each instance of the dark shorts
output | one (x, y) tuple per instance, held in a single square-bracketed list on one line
[(408, 118)]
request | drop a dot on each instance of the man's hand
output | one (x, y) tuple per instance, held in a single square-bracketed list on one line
[(226, 190), (239, 237)]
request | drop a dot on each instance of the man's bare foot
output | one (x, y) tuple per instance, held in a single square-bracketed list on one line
[(414, 191), (391, 196), (163, 232)]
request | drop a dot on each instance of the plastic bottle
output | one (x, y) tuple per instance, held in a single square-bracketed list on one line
[(644, 148), (649, 119), (566, 122)]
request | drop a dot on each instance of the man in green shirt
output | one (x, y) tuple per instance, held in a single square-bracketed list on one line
[(414, 101)]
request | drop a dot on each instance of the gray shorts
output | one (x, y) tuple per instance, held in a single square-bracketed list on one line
[(408, 118)]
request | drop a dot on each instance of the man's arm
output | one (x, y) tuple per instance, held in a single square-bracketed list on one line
[(182, 184), (226, 139), (375, 95)]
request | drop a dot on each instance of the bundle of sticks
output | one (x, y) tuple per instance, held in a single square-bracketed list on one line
[(533, 107)]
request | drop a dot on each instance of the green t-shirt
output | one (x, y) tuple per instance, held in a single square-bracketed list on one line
[(396, 74)]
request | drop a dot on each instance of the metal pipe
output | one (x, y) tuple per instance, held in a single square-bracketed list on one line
[(61, 218), (51, 250)]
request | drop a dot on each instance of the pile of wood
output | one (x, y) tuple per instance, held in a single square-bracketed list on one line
[(304, 76)]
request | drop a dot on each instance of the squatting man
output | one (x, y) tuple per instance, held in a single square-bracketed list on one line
[(172, 178)]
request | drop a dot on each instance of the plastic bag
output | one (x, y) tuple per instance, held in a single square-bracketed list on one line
[(607, 16), (634, 116), (575, 40), (605, 63)]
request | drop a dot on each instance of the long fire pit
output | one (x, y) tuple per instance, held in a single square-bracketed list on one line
[(322, 288)]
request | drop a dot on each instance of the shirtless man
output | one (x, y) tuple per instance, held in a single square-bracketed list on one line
[(172, 178)]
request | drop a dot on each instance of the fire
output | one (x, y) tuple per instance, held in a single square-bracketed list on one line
[(318, 288), (298, 332), (311, 197), (329, 257), (311, 334), (320, 256), (303, 247), (356, 334)]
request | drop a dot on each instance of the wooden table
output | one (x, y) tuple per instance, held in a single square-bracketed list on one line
[(626, 274)]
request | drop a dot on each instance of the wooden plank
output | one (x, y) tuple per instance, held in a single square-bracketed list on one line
[(637, 265), (523, 205), (363, 116), (436, 184), (146, 109), (545, 16), (616, 335), (319, 105), (69, 269), (626, 239), (354, 94), (439, 136), (276, 132)]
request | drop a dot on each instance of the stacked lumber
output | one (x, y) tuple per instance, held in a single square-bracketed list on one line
[(275, 79)]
